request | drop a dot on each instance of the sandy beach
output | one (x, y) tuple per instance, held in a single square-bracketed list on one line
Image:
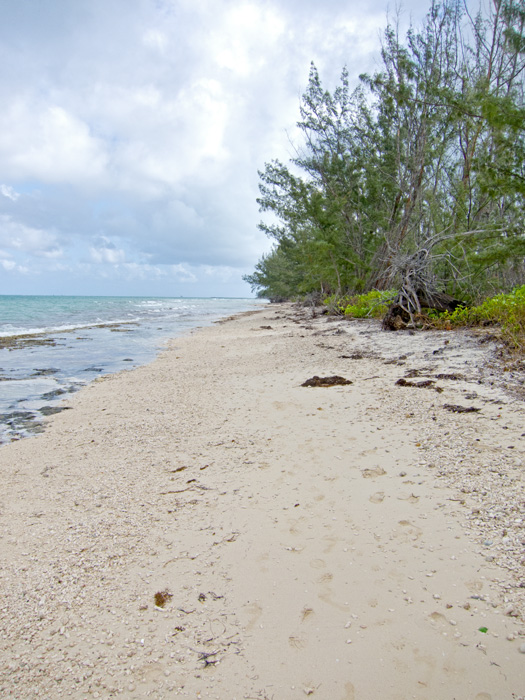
[(207, 527)]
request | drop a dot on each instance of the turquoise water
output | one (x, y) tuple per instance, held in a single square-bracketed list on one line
[(84, 338)]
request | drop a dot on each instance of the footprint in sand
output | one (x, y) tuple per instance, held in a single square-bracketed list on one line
[(409, 533), (474, 586), (325, 578), (306, 613), (296, 642), (412, 498), (349, 692), (372, 473), (325, 593), (332, 542), (317, 564), (254, 612), (327, 598), (378, 497), (438, 619)]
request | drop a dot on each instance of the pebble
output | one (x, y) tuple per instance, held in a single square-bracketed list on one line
[(522, 649)]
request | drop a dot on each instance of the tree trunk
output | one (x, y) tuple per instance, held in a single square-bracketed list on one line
[(409, 302)]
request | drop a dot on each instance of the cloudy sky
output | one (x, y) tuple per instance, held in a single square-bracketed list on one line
[(131, 132)]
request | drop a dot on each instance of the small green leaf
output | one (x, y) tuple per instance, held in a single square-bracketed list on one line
[(484, 630)]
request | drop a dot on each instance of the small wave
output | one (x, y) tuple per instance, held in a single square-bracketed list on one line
[(10, 332)]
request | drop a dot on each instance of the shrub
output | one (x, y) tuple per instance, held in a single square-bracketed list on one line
[(505, 310), (371, 305)]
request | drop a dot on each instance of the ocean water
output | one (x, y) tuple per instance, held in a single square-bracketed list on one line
[(51, 346)]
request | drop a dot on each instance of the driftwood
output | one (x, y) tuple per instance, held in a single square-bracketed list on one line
[(407, 305), (418, 291)]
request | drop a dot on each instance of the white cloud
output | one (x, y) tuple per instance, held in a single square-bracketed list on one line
[(222, 273), (47, 143), (242, 41), (18, 237), (106, 252), (107, 255), (12, 267), (9, 192), (155, 39)]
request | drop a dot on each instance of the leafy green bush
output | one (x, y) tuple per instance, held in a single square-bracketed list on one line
[(371, 305), (335, 304), (504, 310)]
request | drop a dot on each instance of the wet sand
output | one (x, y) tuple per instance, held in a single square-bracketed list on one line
[(351, 542)]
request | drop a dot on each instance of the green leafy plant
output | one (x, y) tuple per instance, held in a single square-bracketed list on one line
[(504, 310), (371, 305)]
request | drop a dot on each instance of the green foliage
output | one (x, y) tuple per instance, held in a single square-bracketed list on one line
[(431, 147), (504, 310), (374, 304), (370, 305)]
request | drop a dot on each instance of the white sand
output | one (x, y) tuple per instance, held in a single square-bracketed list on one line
[(340, 543)]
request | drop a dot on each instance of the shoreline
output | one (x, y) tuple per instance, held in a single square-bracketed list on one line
[(37, 368), (341, 542)]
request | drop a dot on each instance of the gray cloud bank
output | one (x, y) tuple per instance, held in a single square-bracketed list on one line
[(131, 132)]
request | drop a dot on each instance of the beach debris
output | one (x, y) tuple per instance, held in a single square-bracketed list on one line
[(205, 656), (51, 410), (162, 597), (411, 373), (326, 381), (460, 409), (450, 376), (424, 384), (186, 612)]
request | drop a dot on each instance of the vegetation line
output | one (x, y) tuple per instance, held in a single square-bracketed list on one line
[(413, 182)]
